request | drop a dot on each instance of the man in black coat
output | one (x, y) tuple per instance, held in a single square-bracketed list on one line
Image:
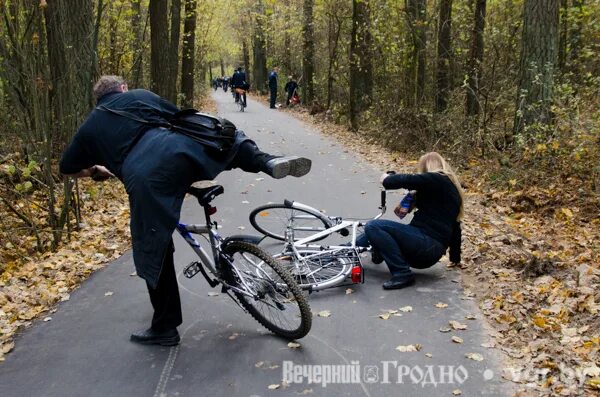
[(290, 88), (273, 86), (157, 167)]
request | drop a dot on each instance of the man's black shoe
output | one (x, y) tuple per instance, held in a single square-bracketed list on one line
[(399, 282), (280, 167), (152, 337), (376, 257)]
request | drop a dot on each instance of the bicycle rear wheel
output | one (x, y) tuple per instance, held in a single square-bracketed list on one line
[(268, 291), (316, 271), (273, 219)]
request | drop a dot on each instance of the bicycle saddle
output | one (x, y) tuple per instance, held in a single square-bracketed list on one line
[(207, 194)]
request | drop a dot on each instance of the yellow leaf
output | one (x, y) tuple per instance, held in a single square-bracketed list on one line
[(568, 213), (539, 322)]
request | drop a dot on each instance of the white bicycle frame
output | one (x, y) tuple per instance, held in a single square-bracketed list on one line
[(302, 248)]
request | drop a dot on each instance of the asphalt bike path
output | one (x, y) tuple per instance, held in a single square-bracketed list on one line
[(85, 349)]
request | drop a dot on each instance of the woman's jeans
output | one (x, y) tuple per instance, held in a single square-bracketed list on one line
[(401, 246)]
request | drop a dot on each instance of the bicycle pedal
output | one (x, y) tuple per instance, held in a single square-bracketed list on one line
[(191, 270)]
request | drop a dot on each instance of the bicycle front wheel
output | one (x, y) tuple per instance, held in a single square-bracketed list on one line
[(266, 290), (273, 220)]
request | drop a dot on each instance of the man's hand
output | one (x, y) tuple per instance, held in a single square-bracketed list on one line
[(100, 173)]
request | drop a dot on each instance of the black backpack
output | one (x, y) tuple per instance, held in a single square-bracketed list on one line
[(217, 134), (213, 132)]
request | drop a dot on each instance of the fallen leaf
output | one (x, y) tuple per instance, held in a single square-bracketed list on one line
[(406, 309), (474, 356), (409, 348), (7, 348), (133, 274), (294, 345), (233, 336), (457, 339), (108, 293), (470, 317), (324, 313), (259, 364), (456, 325), (241, 227), (445, 329), (46, 319), (245, 202), (441, 305), (428, 355), (274, 386), (456, 392), (384, 316), (212, 293), (348, 292)]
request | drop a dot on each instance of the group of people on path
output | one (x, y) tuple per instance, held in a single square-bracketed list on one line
[(238, 82), (157, 167)]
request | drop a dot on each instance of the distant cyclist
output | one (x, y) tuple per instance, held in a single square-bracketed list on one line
[(238, 80)]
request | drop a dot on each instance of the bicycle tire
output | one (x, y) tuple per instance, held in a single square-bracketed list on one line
[(319, 273), (279, 282), (260, 217)]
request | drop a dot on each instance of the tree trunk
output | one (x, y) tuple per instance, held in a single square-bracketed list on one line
[(421, 48), (473, 106), (259, 64), (415, 72), (246, 57), (159, 46), (361, 70), (333, 38), (138, 43), (174, 50), (444, 53), (70, 61), (539, 57), (564, 28), (222, 67), (308, 61), (575, 34), (187, 60)]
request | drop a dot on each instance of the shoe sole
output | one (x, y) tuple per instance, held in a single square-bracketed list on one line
[(297, 167), (161, 342), (300, 166)]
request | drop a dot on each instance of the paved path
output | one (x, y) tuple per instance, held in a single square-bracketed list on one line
[(85, 349)]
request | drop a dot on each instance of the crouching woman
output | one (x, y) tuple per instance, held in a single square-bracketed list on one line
[(434, 228)]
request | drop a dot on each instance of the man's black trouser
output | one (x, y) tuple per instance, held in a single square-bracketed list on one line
[(165, 297), (273, 96)]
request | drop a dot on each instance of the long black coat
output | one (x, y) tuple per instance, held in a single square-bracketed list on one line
[(156, 166)]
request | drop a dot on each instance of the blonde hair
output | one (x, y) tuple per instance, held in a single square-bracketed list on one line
[(433, 162)]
